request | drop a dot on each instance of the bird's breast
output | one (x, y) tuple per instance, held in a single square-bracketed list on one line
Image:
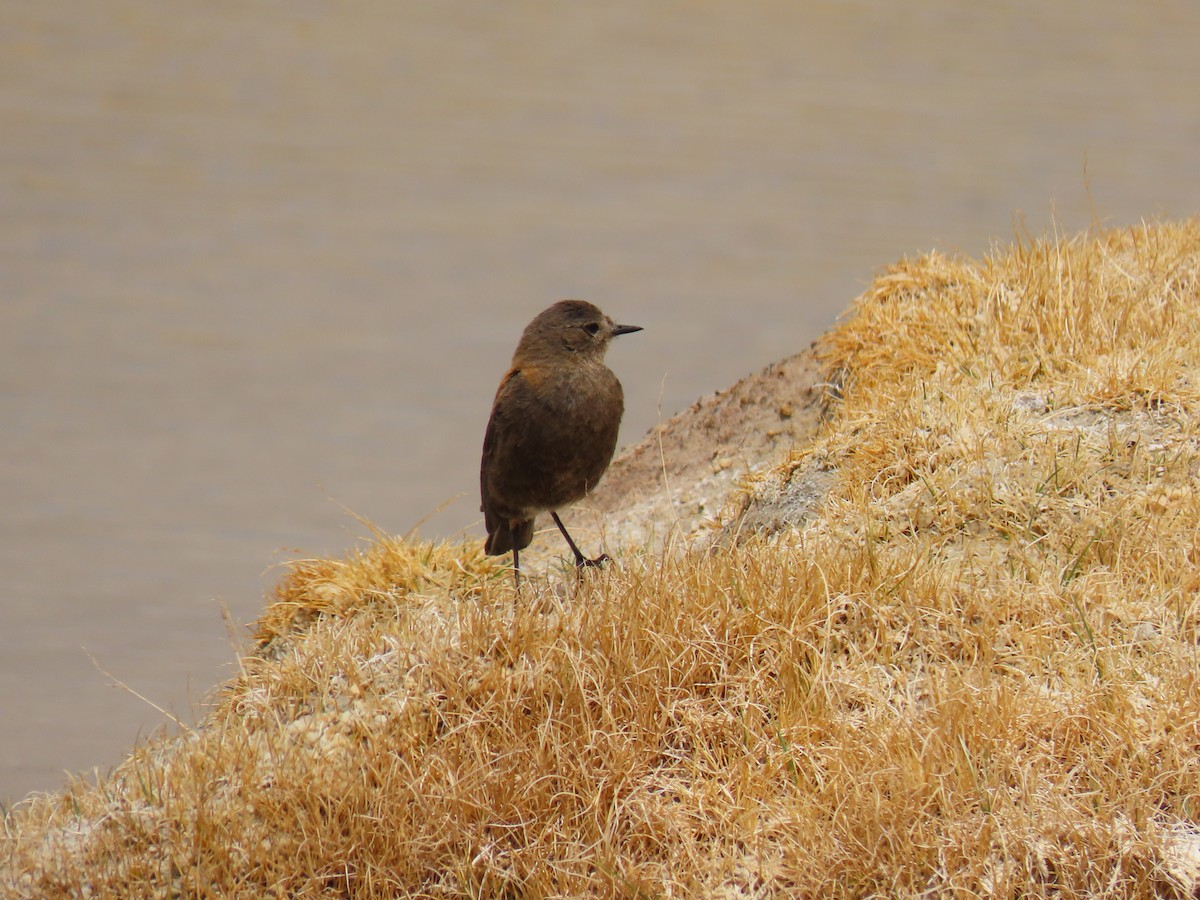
[(586, 395)]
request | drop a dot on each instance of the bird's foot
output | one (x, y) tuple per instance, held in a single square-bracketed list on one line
[(583, 562)]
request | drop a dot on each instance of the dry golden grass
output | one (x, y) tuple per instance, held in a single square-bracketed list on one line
[(972, 672)]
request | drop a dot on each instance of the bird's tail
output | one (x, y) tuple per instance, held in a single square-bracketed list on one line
[(501, 538)]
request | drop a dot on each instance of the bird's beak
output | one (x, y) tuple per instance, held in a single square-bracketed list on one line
[(625, 329)]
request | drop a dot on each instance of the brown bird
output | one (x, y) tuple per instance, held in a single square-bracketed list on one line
[(553, 427)]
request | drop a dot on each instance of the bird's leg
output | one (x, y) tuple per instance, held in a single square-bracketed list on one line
[(580, 559), (512, 534)]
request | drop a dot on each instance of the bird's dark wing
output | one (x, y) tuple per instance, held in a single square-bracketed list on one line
[(495, 423), (495, 520)]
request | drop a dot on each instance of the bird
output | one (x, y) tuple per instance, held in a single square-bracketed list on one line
[(553, 427)]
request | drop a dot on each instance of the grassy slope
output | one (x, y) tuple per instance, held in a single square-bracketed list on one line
[(973, 668)]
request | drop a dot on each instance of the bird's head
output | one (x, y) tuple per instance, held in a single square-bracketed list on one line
[(569, 329)]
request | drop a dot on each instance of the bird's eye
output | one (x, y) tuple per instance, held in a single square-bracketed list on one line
[(592, 328)]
